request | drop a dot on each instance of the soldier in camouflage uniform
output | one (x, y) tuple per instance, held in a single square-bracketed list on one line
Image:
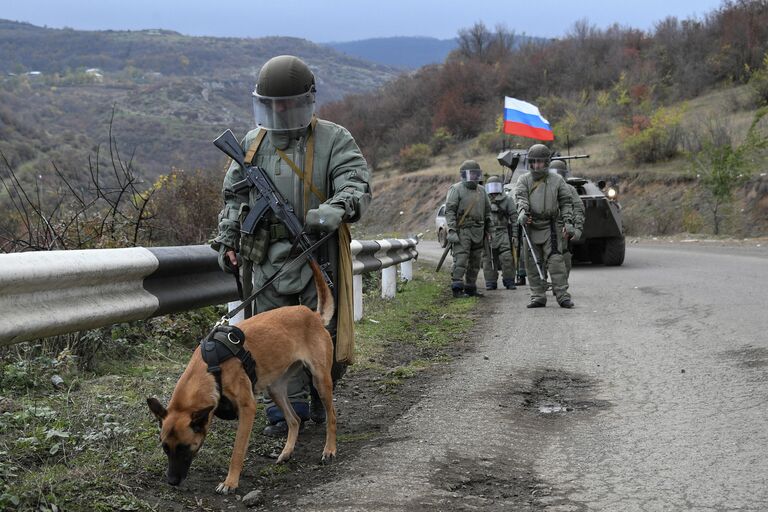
[(503, 213), (318, 168), (561, 168), (468, 218), (544, 208)]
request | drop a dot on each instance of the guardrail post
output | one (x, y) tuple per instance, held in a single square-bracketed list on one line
[(240, 316), (406, 270), (357, 292), (389, 282)]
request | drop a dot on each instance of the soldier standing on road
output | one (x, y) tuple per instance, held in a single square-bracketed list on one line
[(503, 215), (544, 208), (468, 218), (318, 168), (561, 168)]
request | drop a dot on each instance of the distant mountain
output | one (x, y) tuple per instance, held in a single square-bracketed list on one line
[(172, 94), (400, 52)]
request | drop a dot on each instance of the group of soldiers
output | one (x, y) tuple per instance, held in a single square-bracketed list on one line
[(541, 213)]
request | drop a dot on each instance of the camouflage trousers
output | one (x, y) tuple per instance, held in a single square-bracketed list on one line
[(467, 256), (551, 261), (501, 261)]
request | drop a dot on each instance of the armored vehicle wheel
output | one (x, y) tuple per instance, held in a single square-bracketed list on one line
[(595, 252), (613, 254)]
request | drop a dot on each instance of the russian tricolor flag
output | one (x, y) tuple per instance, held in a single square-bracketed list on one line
[(524, 119)]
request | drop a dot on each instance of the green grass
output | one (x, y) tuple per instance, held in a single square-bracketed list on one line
[(93, 444), (421, 315)]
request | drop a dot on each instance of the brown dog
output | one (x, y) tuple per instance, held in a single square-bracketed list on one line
[(278, 340)]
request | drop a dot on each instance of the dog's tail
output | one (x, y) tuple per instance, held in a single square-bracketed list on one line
[(325, 305)]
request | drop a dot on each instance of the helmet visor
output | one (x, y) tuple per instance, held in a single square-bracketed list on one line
[(283, 113), (471, 175), (493, 187)]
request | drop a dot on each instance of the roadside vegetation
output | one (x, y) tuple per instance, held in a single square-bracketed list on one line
[(76, 434)]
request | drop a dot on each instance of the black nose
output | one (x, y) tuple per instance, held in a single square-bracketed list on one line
[(174, 480)]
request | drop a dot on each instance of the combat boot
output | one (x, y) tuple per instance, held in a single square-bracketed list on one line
[(509, 283), (520, 281), (490, 285), (457, 288), (566, 303), (471, 291), (536, 304)]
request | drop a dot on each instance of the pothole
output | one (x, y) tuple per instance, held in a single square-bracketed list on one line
[(556, 392)]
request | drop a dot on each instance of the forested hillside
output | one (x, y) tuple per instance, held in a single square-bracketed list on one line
[(589, 81), (171, 94)]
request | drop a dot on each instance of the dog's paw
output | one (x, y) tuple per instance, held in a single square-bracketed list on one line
[(284, 457), (224, 488), (327, 458)]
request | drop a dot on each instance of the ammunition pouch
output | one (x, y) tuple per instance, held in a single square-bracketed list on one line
[(254, 246)]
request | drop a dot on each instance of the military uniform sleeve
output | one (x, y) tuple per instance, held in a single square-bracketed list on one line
[(578, 209), (451, 208), (229, 217), (564, 202), (521, 195), (510, 210), (350, 177)]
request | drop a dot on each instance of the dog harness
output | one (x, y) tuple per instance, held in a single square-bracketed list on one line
[(225, 342)]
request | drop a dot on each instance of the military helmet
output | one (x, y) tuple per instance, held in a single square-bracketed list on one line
[(538, 153), (470, 171), (560, 167), (284, 97), (494, 185)]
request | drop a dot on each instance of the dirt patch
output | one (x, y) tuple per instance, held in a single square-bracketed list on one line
[(485, 484), (555, 393), (749, 357)]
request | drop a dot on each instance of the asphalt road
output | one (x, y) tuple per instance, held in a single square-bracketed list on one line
[(651, 394)]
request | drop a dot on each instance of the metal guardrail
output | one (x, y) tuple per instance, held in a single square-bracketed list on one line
[(49, 293)]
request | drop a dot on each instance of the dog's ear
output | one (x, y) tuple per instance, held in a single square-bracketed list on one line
[(157, 409), (199, 419)]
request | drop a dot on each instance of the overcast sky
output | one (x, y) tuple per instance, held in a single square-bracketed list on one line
[(345, 20)]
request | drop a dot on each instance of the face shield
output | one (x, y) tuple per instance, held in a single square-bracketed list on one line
[(494, 187), (284, 113), (471, 175)]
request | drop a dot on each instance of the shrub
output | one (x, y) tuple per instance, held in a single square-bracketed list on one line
[(652, 139), (758, 82), (415, 157), (490, 141), (569, 129), (440, 139)]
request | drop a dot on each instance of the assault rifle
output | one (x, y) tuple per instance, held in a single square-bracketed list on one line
[(268, 199)]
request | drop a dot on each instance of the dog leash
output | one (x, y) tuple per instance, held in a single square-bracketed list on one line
[(287, 265)]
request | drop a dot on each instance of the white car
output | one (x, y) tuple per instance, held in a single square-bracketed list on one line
[(441, 227)]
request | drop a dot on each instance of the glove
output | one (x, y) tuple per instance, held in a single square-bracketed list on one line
[(576, 234), (570, 230), (453, 237), (323, 219), (522, 218), (224, 262)]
